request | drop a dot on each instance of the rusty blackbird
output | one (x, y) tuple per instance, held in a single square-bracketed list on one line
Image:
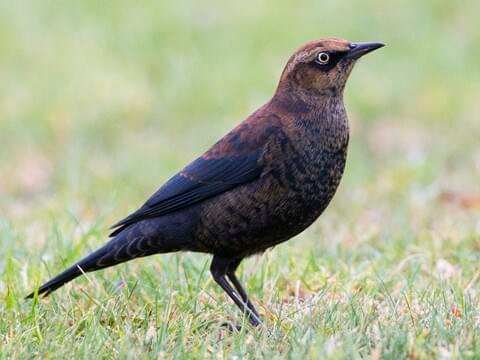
[(261, 184)]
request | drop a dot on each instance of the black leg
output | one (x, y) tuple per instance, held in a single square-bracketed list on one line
[(219, 268), (238, 286)]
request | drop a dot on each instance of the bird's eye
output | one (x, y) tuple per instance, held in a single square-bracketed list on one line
[(322, 58)]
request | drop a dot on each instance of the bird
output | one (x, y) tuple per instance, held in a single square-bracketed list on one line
[(261, 184)]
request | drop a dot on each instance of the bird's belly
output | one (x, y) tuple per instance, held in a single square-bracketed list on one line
[(263, 213)]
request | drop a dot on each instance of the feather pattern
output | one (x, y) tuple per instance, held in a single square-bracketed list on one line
[(200, 180)]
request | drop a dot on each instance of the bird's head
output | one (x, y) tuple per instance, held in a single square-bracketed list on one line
[(322, 67)]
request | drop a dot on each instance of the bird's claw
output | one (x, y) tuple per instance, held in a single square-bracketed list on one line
[(231, 327)]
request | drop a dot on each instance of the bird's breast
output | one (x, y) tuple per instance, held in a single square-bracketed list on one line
[(306, 180)]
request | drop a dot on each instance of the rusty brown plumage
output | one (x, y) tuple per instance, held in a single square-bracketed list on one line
[(261, 184)]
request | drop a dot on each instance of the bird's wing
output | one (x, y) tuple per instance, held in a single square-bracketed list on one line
[(202, 179)]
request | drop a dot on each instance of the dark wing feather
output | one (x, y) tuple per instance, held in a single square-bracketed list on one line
[(202, 179)]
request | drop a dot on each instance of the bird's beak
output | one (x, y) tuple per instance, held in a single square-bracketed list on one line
[(360, 49)]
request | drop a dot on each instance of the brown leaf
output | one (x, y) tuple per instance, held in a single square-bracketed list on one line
[(465, 201), (456, 311)]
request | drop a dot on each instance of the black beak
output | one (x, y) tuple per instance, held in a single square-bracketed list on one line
[(360, 49)]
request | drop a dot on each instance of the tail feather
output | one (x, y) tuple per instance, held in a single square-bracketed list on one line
[(89, 263), (138, 241)]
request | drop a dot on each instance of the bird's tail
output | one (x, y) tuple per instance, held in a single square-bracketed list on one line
[(87, 264), (114, 252)]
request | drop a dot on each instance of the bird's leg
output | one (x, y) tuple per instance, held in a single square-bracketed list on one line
[(219, 268), (238, 286)]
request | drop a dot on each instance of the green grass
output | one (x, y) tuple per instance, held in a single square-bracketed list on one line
[(101, 102)]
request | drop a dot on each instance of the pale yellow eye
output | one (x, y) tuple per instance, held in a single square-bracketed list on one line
[(323, 58)]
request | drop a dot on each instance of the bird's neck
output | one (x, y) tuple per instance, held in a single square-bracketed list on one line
[(321, 118), (306, 100)]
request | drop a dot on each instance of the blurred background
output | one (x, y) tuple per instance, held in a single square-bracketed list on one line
[(101, 102)]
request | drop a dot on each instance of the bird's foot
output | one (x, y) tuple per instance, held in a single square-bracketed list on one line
[(231, 327), (254, 321)]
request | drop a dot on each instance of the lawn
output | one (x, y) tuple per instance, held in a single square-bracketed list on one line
[(101, 102)]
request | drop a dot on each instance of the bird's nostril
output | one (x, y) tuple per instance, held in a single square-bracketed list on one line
[(352, 46)]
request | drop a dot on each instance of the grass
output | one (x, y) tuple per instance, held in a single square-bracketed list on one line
[(102, 102)]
